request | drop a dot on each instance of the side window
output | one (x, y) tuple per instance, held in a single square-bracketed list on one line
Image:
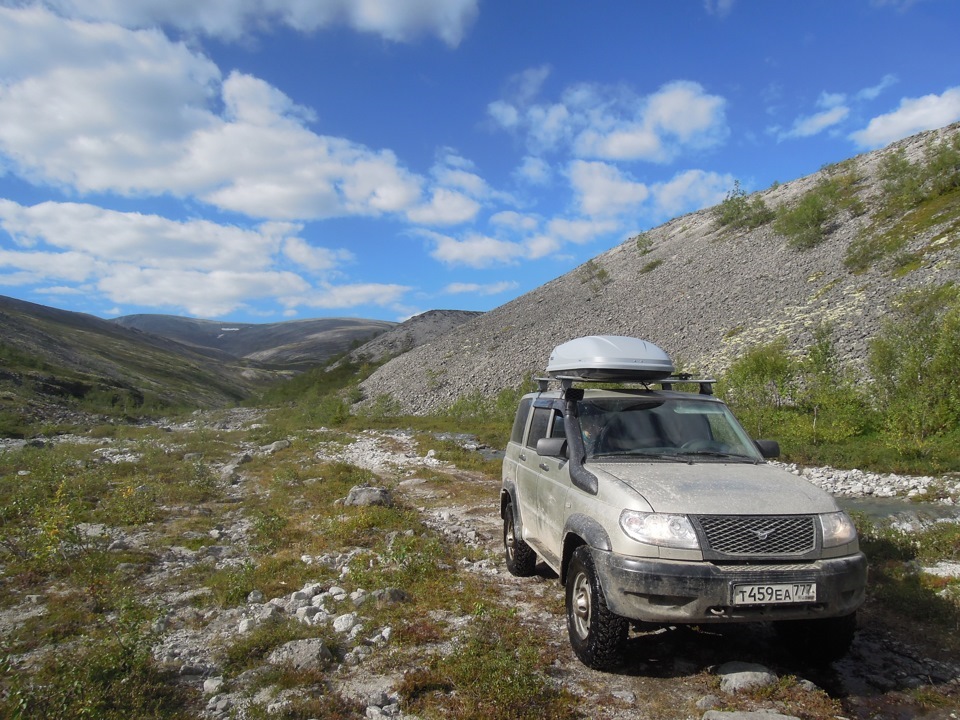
[(520, 421), (539, 426), (558, 430)]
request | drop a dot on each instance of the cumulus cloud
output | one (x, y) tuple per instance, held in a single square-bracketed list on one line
[(348, 295), (195, 266), (912, 116), (461, 288), (446, 207), (580, 230), (603, 190), (475, 250), (690, 190), (835, 108), (610, 123), (101, 109), (396, 21), (203, 294)]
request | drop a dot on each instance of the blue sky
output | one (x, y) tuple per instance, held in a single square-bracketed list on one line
[(263, 160)]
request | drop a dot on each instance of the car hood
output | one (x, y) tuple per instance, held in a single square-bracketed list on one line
[(717, 488)]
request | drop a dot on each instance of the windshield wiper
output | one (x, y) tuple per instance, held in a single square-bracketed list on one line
[(672, 457), (717, 453)]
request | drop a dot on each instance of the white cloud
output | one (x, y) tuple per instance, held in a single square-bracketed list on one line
[(148, 240), (396, 21), (816, 123), (476, 251), (102, 109), (446, 207), (204, 294), (912, 116), (721, 8), (602, 190), (514, 221), (196, 266), (348, 295), (534, 170), (615, 123), (461, 288), (315, 259), (689, 191), (580, 231), (872, 93)]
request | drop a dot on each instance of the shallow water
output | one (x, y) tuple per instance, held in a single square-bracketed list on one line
[(901, 511)]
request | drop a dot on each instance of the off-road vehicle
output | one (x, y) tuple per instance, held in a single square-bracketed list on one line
[(653, 505)]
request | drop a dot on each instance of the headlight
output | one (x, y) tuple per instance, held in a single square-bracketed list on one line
[(838, 529), (673, 531)]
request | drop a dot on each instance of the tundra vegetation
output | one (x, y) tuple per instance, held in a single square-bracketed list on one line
[(90, 653)]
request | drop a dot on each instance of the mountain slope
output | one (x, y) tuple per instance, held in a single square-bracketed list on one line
[(51, 356), (418, 330), (286, 344), (705, 292)]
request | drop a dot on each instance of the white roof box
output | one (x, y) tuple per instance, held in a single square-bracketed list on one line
[(610, 358)]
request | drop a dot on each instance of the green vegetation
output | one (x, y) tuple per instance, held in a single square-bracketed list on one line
[(644, 243), (652, 265), (906, 420), (808, 222), (491, 674), (594, 276), (737, 212), (916, 197)]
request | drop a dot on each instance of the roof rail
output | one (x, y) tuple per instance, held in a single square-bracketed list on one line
[(667, 383)]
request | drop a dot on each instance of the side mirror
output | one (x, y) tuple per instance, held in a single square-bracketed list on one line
[(552, 447), (768, 448)]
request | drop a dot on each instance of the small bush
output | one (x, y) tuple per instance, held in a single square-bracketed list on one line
[(803, 224), (738, 212), (644, 243)]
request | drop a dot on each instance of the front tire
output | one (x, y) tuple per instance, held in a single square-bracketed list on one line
[(598, 636), (521, 558)]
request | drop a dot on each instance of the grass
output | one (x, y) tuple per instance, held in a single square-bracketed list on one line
[(492, 673)]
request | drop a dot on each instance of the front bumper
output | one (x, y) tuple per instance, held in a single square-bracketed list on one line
[(670, 591)]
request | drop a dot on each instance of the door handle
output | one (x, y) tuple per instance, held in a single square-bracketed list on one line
[(544, 466)]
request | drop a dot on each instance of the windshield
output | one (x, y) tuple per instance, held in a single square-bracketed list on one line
[(667, 429)]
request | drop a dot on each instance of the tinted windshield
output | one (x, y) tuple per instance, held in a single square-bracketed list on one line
[(661, 428)]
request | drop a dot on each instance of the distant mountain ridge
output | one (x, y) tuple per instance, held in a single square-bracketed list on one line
[(291, 344)]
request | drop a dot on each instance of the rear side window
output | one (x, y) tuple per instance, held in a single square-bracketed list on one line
[(539, 426), (520, 421)]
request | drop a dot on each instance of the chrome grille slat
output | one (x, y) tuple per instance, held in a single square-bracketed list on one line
[(755, 536)]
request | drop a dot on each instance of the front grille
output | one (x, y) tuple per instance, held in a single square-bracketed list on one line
[(758, 536)]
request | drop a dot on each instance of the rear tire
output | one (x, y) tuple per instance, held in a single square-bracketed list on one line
[(598, 636), (820, 641), (521, 558)]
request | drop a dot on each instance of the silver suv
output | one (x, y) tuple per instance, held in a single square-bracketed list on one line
[(655, 506)]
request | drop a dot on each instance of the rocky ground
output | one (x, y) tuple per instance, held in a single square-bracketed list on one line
[(708, 673)]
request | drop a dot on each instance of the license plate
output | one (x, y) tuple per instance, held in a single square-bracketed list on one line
[(774, 593)]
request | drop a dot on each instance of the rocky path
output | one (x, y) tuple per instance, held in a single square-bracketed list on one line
[(679, 673), (710, 673)]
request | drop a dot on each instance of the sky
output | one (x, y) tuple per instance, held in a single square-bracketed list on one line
[(271, 160)]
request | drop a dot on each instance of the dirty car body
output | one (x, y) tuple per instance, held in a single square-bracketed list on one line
[(653, 505)]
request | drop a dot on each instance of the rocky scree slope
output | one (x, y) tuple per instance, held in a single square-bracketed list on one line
[(702, 292), (418, 330)]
